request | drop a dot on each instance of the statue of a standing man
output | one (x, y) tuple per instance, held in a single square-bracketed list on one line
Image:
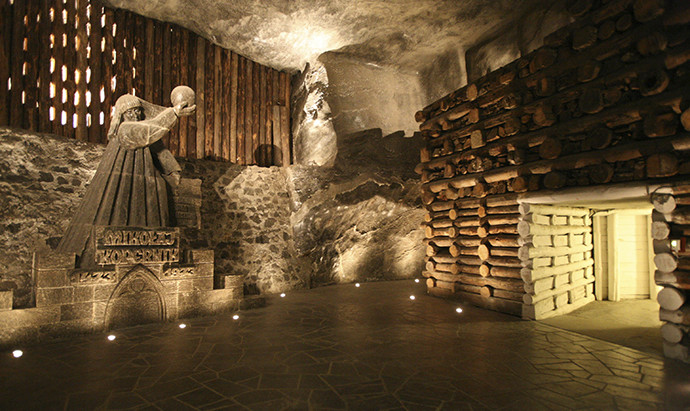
[(137, 175)]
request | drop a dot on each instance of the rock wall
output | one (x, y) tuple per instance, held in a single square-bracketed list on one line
[(364, 95), (314, 139), (245, 219), (42, 179), (280, 228)]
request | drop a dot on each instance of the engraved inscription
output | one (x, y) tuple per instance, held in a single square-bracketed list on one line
[(137, 255), (136, 245), (179, 272), (82, 277)]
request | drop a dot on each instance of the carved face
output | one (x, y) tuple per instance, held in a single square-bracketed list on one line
[(133, 114)]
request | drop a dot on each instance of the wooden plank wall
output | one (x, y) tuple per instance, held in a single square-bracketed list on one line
[(64, 63)]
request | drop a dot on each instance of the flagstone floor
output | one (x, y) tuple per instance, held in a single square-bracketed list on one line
[(343, 347)]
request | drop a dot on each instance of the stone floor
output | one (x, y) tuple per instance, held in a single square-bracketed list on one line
[(344, 347), (630, 323)]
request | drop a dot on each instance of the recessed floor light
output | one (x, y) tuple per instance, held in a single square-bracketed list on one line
[(416, 280), (282, 295), (183, 325), (412, 297), (235, 317), (356, 284), (458, 310), (17, 353), (111, 337)]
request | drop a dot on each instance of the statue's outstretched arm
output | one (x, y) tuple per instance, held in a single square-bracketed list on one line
[(137, 134), (151, 110)]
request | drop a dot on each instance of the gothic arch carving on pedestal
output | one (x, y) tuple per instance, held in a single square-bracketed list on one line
[(138, 299)]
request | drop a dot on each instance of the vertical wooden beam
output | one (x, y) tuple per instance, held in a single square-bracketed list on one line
[(256, 94), (149, 56), (248, 124), (5, 44), (208, 107), (70, 63), (176, 39), (32, 54), (129, 29), (233, 107), (191, 81), (613, 257), (166, 71), (285, 119), (108, 72), (139, 37), (200, 96), (96, 78), (240, 109), (275, 123), (121, 56), (17, 63), (651, 266), (56, 77), (598, 224), (262, 118), (269, 116), (225, 106), (44, 30), (184, 61), (81, 42), (278, 149), (217, 101), (156, 63)]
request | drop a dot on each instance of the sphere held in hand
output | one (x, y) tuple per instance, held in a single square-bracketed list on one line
[(182, 95)]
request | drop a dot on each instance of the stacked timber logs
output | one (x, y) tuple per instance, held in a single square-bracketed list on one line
[(557, 258), (605, 100), (472, 251), (670, 231)]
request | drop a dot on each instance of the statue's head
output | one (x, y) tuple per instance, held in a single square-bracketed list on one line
[(129, 107), (182, 95)]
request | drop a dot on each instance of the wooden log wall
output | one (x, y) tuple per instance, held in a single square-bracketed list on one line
[(556, 255), (605, 100), (63, 64), (671, 222)]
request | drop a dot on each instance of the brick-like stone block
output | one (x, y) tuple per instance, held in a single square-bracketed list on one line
[(202, 256), (51, 296), (99, 308), (231, 281), (83, 293), (189, 187), (203, 283), (204, 270), (50, 260), (78, 311), (224, 300), (51, 278), (6, 298), (171, 286), (185, 286), (103, 291), (68, 328), (29, 317)]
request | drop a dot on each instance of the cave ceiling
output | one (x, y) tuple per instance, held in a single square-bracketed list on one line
[(286, 34)]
